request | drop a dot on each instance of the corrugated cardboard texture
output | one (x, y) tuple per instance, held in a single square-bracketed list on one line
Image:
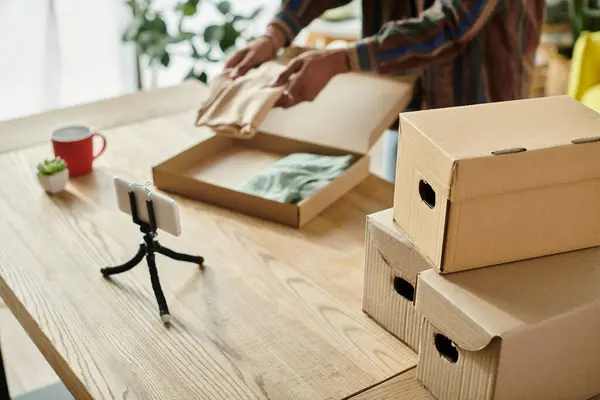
[(545, 312), (471, 377), (212, 170), (489, 195), (390, 255)]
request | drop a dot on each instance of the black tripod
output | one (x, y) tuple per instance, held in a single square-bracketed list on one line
[(148, 247)]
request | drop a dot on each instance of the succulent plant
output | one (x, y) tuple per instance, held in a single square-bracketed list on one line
[(51, 167)]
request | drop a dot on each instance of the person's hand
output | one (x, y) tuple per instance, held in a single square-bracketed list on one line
[(261, 50), (306, 75)]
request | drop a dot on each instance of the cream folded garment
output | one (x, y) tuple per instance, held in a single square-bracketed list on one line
[(236, 108)]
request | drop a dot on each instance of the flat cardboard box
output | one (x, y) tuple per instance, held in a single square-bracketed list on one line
[(346, 118), (212, 170), (526, 330), (391, 268), (494, 183)]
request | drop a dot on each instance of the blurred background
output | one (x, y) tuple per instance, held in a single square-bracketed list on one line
[(58, 53)]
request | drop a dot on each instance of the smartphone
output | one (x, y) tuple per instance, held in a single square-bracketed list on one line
[(166, 212)]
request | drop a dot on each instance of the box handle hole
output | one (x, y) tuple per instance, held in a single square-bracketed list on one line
[(427, 193), (586, 140), (446, 348), (509, 151), (404, 288)]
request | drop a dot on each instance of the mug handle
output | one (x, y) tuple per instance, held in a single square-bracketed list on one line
[(101, 136)]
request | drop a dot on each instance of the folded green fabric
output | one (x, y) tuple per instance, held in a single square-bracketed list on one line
[(296, 177)]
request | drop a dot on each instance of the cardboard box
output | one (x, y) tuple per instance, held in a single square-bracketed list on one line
[(391, 267), (500, 182), (346, 118), (526, 330)]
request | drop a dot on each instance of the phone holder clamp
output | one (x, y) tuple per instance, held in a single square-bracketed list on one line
[(148, 247)]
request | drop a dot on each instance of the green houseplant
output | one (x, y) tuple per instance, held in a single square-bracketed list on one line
[(577, 16), (53, 175), (584, 16), (580, 15), (157, 44)]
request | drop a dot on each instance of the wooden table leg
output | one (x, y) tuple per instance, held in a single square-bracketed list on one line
[(4, 394)]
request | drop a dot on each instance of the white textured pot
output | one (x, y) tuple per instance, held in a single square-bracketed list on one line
[(54, 183)]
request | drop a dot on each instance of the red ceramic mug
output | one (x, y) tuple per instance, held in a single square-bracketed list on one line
[(75, 145)]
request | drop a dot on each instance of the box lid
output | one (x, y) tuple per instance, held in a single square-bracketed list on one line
[(395, 246), (493, 148), (350, 113), (471, 308)]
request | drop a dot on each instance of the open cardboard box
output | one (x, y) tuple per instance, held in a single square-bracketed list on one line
[(346, 118), (212, 170)]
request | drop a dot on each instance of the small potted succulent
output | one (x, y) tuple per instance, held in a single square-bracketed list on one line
[(53, 175)]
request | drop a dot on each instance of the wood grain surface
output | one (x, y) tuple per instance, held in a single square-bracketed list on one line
[(404, 386), (275, 314), (21, 357), (103, 114)]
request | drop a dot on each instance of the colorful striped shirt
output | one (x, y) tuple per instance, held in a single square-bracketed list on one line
[(464, 51)]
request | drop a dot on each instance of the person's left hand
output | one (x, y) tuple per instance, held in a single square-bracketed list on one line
[(306, 75)]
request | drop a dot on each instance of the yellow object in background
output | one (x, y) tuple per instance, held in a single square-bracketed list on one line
[(584, 77)]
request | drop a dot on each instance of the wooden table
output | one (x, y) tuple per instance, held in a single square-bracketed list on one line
[(276, 313)]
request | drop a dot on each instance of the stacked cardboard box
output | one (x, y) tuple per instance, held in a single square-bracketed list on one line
[(488, 263)]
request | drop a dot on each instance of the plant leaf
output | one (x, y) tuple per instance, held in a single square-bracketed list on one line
[(213, 33), (189, 9), (230, 35), (203, 77), (165, 59), (156, 50), (224, 7), (133, 30), (157, 24), (51, 167), (182, 37), (148, 38)]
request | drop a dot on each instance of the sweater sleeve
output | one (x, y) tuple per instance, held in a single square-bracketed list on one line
[(297, 14), (439, 32)]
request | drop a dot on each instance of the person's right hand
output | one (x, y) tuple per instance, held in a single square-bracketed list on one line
[(261, 50)]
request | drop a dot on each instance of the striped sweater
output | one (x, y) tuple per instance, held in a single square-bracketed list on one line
[(464, 51)]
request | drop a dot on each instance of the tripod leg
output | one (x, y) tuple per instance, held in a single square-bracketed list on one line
[(178, 256), (128, 265), (160, 297)]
